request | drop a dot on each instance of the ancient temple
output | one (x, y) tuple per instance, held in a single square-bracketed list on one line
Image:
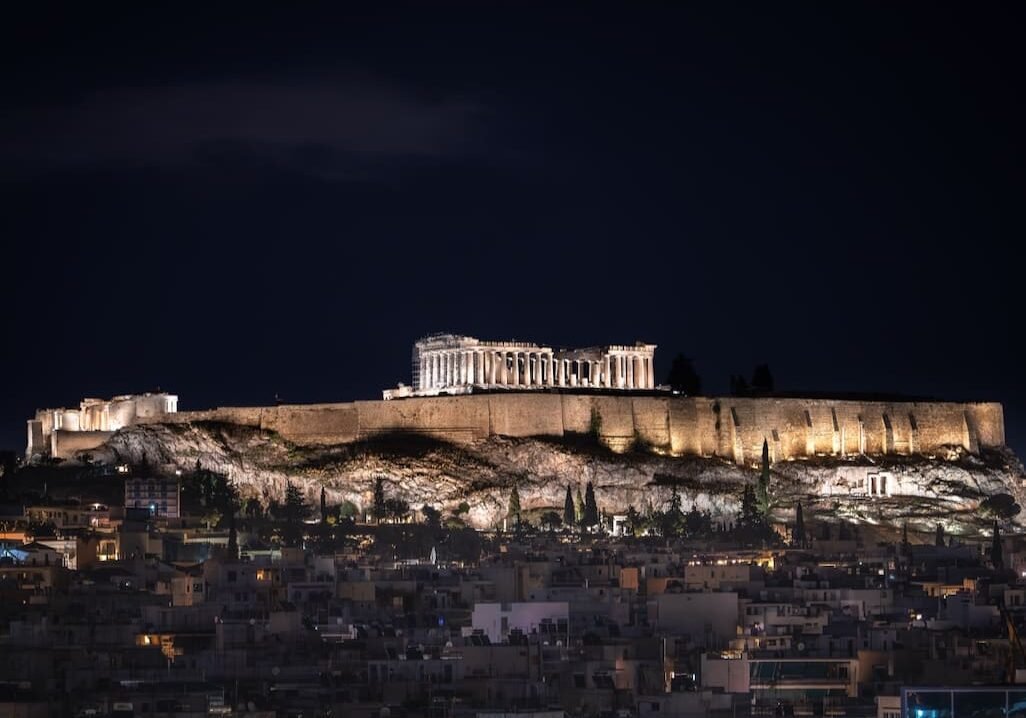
[(454, 364)]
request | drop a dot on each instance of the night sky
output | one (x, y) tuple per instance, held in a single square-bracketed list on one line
[(234, 205)]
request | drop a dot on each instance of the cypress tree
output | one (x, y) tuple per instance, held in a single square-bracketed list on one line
[(591, 516), (233, 537), (514, 503), (762, 496), (996, 553), (683, 378), (295, 510), (939, 538), (569, 514), (798, 537), (324, 507), (379, 499)]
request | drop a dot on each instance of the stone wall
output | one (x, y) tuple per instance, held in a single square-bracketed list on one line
[(65, 444), (729, 427)]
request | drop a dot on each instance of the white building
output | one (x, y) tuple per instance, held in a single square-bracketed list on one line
[(496, 620)]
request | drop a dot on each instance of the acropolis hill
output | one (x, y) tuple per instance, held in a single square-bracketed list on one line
[(515, 406)]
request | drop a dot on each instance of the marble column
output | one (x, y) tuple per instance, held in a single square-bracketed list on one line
[(538, 373), (630, 373)]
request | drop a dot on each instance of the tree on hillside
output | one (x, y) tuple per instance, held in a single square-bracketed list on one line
[(683, 378), (996, 551), (379, 499), (295, 511), (397, 509), (762, 494), (697, 523), (939, 537), (432, 516), (324, 506), (798, 535), (551, 521), (762, 380), (253, 509), (513, 511), (591, 516), (634, 520), (233, 538), (569, 513), (749, 515), (671, 521)]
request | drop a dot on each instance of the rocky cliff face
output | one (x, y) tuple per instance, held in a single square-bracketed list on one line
[(924, 490)]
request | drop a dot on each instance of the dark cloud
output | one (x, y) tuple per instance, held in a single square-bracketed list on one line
[(336, 128)]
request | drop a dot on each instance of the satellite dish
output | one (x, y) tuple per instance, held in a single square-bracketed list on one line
[(801, 645), (251, 706), (275, 671), (448, 644), (385, 712)]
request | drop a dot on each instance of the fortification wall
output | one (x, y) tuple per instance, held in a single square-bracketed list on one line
[(524, 415), (314, 423), (729, 427), (241, 415), (457, 418), (65, 444)]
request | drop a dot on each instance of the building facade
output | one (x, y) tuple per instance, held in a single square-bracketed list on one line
[(160, 496), (455, 364)]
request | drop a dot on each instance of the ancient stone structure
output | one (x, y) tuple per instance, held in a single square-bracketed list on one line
[(467, 390), (454, 364), (732, 428), (59, 432)]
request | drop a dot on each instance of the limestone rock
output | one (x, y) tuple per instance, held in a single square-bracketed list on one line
[(882, 490)]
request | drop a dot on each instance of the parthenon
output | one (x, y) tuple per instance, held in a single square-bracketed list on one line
[(455, 364)]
